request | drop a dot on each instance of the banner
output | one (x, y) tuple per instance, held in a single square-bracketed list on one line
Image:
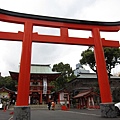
[(44, 85)]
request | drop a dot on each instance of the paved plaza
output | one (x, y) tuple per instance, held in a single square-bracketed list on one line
[(73, 114)]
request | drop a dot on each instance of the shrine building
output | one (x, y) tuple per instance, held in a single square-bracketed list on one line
[(84, 88), (40, 79)]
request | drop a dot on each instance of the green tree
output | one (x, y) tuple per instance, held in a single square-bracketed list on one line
[(2, 81), (8, 83), (112, 58), (66, 75)]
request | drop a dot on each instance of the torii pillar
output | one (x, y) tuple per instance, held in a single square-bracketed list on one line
[(24, 76), (107, 106), (22, 110)]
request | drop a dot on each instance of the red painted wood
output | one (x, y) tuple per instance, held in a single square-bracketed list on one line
[(24, 75), (110, 43), (101, 68), (11, 36), (28, 37), (62, 40), (57, 39), (12, 19)]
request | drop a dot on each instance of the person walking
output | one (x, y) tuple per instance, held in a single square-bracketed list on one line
[(49, 105)]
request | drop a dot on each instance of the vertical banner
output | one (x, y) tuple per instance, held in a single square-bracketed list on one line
[(44, 85), (29, 100)]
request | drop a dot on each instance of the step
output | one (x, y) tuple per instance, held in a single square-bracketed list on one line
[(43, 106)]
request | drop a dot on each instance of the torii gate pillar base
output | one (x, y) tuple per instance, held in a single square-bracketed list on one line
[(22, 113), (108, 110)]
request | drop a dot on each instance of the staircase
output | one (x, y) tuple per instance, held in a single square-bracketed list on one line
[(42, 107)]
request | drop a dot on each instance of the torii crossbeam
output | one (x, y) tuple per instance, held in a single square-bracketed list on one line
[(27, 37)]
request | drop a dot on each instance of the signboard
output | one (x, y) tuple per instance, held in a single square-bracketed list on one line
[(44, 85)]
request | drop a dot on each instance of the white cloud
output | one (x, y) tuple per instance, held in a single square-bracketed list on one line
[(10, 52), (102, 10)]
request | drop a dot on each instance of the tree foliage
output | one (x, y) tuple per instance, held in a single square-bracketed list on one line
[(88, 58), (8, 83), (66, 74), (112, 58)]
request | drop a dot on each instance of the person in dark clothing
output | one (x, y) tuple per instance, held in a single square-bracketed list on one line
[(49, 105)]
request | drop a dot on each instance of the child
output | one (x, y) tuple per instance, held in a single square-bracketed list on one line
[(53, 106)]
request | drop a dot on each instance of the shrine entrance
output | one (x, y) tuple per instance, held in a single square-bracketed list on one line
[(27, 37), (44, 99), (35, 98)]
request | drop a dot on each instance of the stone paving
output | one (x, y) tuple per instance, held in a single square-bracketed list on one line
[(5, 115), (73, 114)]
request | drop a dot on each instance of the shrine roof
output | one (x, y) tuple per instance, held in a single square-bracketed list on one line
[(85, 94), (87, 75), (40, 69), (3, 89), (92, 75)]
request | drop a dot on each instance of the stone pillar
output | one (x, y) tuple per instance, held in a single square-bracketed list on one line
[(22, 113), (108, 110)]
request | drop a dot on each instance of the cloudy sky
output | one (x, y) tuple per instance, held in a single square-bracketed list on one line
[(95, 10)]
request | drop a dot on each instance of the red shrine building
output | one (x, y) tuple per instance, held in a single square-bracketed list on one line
[(40, 79)]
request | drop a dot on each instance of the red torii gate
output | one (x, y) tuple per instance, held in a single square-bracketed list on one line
[(27, 37)]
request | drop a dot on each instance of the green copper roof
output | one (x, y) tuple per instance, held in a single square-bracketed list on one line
[(36, 68), (40, 69)]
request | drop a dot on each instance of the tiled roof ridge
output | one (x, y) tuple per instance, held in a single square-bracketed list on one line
[(40, 64)]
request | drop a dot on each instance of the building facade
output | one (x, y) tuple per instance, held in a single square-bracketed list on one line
[(88, 82), (41, 77)]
